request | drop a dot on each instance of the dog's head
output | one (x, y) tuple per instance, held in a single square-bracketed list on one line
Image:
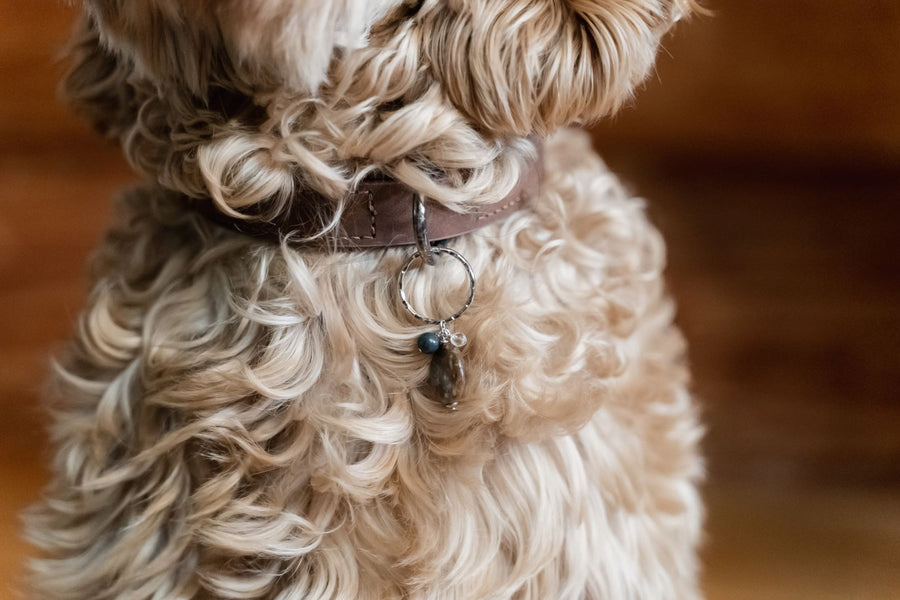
[(243, 100)]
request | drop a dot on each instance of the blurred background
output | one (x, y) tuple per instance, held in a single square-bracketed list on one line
[(768, 146)]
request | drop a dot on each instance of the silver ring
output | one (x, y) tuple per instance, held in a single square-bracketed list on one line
[(420, 227), (469, 272)]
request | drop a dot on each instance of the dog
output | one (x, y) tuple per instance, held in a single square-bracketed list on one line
[(257, 404)]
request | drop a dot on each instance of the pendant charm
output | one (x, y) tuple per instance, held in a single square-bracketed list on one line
[(446, 375)]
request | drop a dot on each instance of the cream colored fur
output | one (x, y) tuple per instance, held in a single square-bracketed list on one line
[(238, 419)]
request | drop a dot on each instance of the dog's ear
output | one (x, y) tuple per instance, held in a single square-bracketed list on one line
[(171, 43), (281, 44), (96, 84), (531, 66)]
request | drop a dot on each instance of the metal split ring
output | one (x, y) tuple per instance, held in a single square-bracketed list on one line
[(469, 273)]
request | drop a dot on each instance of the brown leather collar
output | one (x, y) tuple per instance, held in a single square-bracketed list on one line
[(378, 214)]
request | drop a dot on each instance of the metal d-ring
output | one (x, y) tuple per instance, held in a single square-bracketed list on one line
[(469, 272), (420, 227)]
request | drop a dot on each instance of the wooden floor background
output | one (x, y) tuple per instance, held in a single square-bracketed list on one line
[(769, 147)]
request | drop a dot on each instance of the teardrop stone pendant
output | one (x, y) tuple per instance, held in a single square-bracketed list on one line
[(446, 375)]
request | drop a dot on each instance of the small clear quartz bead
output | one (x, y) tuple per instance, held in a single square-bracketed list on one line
[(458, 340)]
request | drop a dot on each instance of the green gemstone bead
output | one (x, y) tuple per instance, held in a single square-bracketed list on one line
[(429, 343)]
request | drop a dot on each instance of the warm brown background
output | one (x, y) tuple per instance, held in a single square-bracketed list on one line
[(769, 147)]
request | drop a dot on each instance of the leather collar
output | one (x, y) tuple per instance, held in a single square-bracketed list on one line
[(378, 214)]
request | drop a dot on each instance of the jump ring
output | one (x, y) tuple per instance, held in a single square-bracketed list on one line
[(469, 272)]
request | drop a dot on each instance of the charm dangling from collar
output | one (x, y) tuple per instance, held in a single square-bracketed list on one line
[(446, 374)]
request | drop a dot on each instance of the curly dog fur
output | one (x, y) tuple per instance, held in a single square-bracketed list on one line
[(237, 419)]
